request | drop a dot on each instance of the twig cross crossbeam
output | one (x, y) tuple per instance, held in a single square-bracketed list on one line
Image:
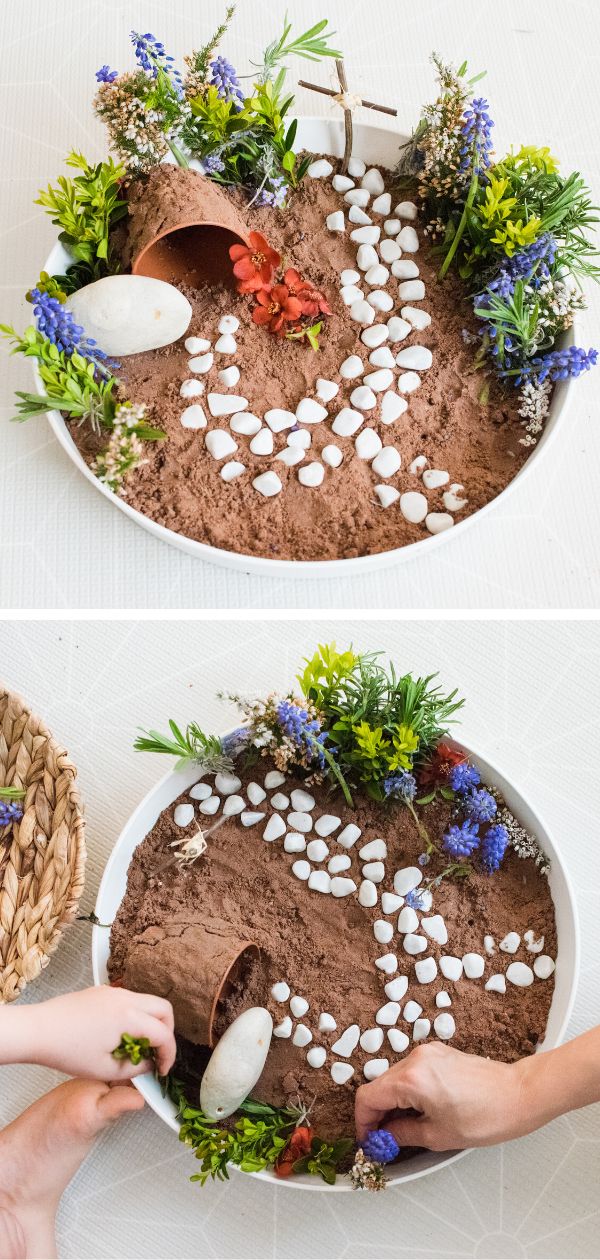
[(348, 104)]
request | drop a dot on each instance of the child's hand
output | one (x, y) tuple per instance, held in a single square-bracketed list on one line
[(463, 1100), (77, 1033)]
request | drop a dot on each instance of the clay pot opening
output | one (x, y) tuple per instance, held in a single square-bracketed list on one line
[(235, 978), (195, 254)]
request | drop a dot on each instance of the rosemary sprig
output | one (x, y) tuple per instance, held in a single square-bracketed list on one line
[(193, 746), (312, 45)]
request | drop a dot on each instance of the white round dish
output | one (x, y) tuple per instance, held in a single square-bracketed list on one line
[(112, 890), (377, 145)]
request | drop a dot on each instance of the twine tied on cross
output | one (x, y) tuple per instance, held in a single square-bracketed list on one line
[(349, 102)]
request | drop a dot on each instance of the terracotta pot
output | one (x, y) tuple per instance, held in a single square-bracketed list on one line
[(180, 228)]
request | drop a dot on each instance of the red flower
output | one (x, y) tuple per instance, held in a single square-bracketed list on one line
[(313, 301), (254, 263), (276, 306), (297, 1148), (437, 769)]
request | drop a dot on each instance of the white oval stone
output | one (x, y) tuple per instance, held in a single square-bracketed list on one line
[(377, 275), (348, 837), (366, 257), (316, 1056), (356, 167), (374, 871), (347, 422), (226, 404), (411, 290), (406, 210), (418, 464), (451, 967), (421, 1029), (300, 820), (443, 999), (290, 455), (414, 506), (326, 390), (444, 1026), (433, 478), (367, 893), (249, 818), (273, 779), (382, 931), (366, 235), (128, 314), (407, 880), (379, 380), (262, 442), (280, 801), (382, 204), (375, 850), (319, 881), (396, 989), (411, 1012), (387, 495), (392, 407), (372, 1040), (398, 329), (274, 828), (341, 887), (284, 1029), (474, 966), (219, 443), (255, 793), (232, 469), (380, 300), (389, 250), (496, 984), (278, 419), (233, 805), (341, 862), (327, 824), (226, 344), (374, 1068), (280, 991), (317, 850), (544, 966), (534, 946), (426, 970), (302, 1035), (311, 474), (408, 240), (245, 422), (319, 169), (408, 920), (387, 462), (228, 324), (299, 1005), (193, 417), (367, 444), (408, 382), (342, 183), (332, 455), (183, 815), (397, 1039), (414, 944), (372, 180), (388, 1014), (352, 367), (210, 805), (267, 483), (348, 276), (510, 943), (229, 376), (326, 1022), (302, 800), (390, 902), (388, 963), (356, 215), (392, 227), (335, 221), (294, 842), (374, 336), (362, 312), (357, 197), (382, 357), (452, 501), (191, 389), (200, 791), (301, 869), (416, 318), (436, 929), (417, 357), (520, 974), (202, 363), (299, 437), (309, 411), (437, 522), (196, 345), (347, 1043), (489, 945), (341, 1073)]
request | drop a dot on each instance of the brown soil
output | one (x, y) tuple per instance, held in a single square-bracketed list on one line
[(324, 947), (180, 486)]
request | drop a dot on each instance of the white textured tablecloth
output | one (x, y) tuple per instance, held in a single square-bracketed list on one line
[(62, 544), (533, 705)]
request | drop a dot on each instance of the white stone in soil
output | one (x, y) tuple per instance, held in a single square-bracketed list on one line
[(474, 966), (389, 251), (417, 357), (229, 376), (444, 1026), (372, 180), (544, 966), (335, 221), (496, 984), (299, 1005), (411, 1012), (451, 967), (280, 991), (391, 228), (358, 216), (202, 363), (437, 522), (388, 963), (398, 329), (317, 851), (210, 805), (377, 275), (366, 257), (273, 779), (426, 970), (245, 422), (348, 276), (382, 204), (408, 920), (392, 407), (416, 318), (366, 235), (382, 931), (319, 169), (405, 269), (357, 197), (280, 801), (301, 869), (226, 404), (510, 943), (426, 899), (489, 945), (433, 478), (397, 1039), (379, 380), (302, 1035), (396, 989), (302, 800), (311, 474), (356, 167), (367, 893), (200, 791), (274, 828), (128, 314), (326, 390), (436, 929), (363, 398), (380, 300), (382, 357), (407, 879), (373, 851), (300, 820), (367, 444), (228, 324), (278, 419), (341, 862), (316, 1056), (374, 871), (348, 837), (332, 455), (452, 500), (347, 1043), (389, 1013), (326, 1022), (327, 824), (290, 455), (262, 442), (411, 290), (408, 382), (233, 805), (193, 417), (362, 312), (191, 389), (196, 345), (319, 881), (421, 1029), (408, 240), (299, 437), (414, 944), (249, 818), (390, 902), (342, 183), (294, 842), (443, 999), (309, 411), (387, 463), (406, 210), (374, 1068), (220, 444), (387, 495), (255, 793), (347, 422), (374, 336), (534, 946), (183, 815), (520, 974), (341, 1073), (418, 464), (350, 293), (284, 1029), (231, 470), (372, 1040), (226, 344), (342, 887), (352, 367)]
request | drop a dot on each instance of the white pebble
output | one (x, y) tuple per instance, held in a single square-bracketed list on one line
[(379, 380), (319, 169), (332, 455), (294, 842), (352, 367), (388, 963), (255, 793), (341, 1073), (421, 1029), (408, 920), (196, 345), (388, 1014), (356, 167), (191, 389), (301, 869), (341, 887), (436, 929), (302, 1035), (327, 824), (357, 197), (341, 862), (453, 501), (326, 390), (392, 227), (377, 275), (277, 419), (284, 1029), (387, 495), (342, 183), (544, 966), (372, 1040), (347, 422), (411, 1012), (193, 417), (219, 443), (367, 444), (392, 407), (366, 257), (245, 422), (534, 946), (309, 411), (382, 204), (226, 344), (226, 404), (433, 478), (489, 945), (390, 902), (389, 251), (229, 376), (406, 210), (374, 336), (374, 851), (348, 276), (418, 464), (335, 221), (387, 462), (408, 382), (366, 235), (233, 805), (362, 312), (299, 437), (408, 240), (228, 324), (417, 357), (302, 800), (200, 791), (326, 1022), (210, 805), (262, 442), (416, 318), (290, 455), (520, 974), (367, 893), (382, 357), (411, 290), (398, 329), (437, 522), (443, 999), (300, 820), (451, 967), (374, 1068), (373, 181), (183, 815), (274, 828), (347, 1043), (358, 216), (273, 779), (444, 1026), (232, 469), (474, 966), (397, 1039), (407, 879), (363, 398), (380, 300), (350, 293), (299, 1005), (201, 364), (311, 474), (249, 818), (414, 944), (280, 801), (396, 989), (406, 269), (374, 871), (349, 835), (317, 851), (496, 984), (426, 970), (280, 991), (319, 881), (510, 943), (382, 931), (316, 1056)]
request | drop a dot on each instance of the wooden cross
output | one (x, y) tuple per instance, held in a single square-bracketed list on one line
[(339, 96)]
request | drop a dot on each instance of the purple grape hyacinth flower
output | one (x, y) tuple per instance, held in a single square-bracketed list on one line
[(224, 78), (461, 842), (476, 130), (10, 811), (493, 848), (381, 1146), (56, 322), (106, 75), (479, 805)]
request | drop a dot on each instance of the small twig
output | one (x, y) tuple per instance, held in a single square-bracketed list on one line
[(339, 65), (180, 858), (316, 87)]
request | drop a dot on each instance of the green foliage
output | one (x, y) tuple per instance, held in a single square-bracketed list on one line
[(136, 1049), (325, 1158), (199, 61), (254, 1143), (312, 45), (87, 207), (52, 285), (515, 319), (311, 334), (73, 384), (12, 793), (193, 746)]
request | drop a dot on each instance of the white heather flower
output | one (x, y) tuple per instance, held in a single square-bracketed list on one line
[(534, 398)]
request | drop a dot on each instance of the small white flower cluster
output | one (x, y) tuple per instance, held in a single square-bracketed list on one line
[(125, 449), (534, 397), (524, 844), (135, 131), (366, 1174)]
